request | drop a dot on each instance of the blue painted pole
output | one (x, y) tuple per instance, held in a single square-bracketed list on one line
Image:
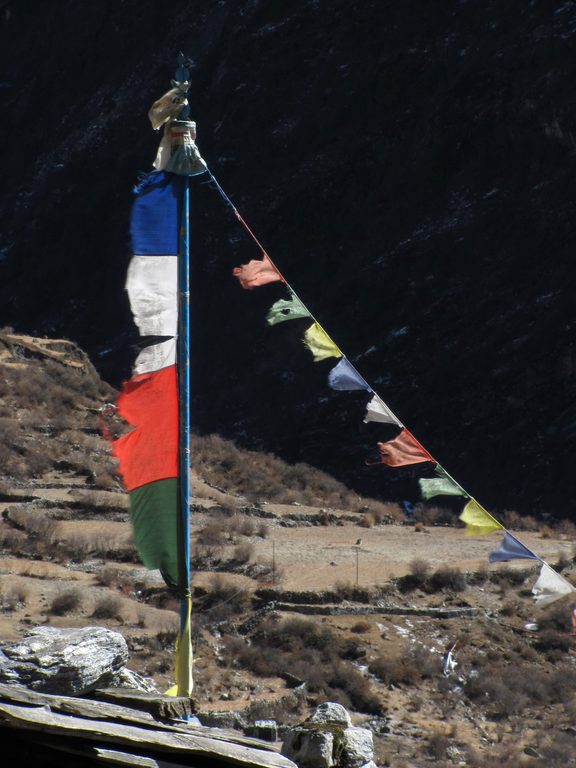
[(184, 414), (184, 672)]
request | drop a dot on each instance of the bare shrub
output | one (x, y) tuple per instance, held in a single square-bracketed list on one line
[(243, 552), (447, 579), (109, 607), (437, 744), (311, 652), (361, 627), (213, 534), (66, 602), (420, 570), (263, 530), (224, 598), (247, 527), (13, 596), (409, 667)]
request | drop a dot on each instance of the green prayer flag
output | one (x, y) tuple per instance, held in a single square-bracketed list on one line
[(287, 309), (438, 486)]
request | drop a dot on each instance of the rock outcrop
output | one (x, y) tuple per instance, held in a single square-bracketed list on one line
[(64, 661), (329, 740)]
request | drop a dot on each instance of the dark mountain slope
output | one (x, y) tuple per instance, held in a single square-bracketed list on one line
[(410, 167)]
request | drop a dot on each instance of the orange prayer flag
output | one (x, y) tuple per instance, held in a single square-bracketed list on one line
[(403, 450), (257, 272)]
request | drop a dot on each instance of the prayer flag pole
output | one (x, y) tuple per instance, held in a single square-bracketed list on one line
[(184, 677)]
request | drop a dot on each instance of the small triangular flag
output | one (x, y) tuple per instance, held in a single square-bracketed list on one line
[(478, 520), (320, 344), (344, 377), (377, 410), (550, 586), (511, 549), (286, 309), (439, 486)]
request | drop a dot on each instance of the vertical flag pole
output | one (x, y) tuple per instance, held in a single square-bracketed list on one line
[(184, 657)]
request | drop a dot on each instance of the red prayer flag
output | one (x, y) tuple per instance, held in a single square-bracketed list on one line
[(403, 450), (257, 272), (149, 452)]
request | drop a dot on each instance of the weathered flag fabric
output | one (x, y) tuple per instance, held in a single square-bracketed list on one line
[(152, 285), (320, 344), (403, 450), (511, 549), (550, 586), (148, 453), (439, 486), (286, 309), (344, 377), (257, 272), (377, 410), (478, 520), (155, 221), (156, 356)]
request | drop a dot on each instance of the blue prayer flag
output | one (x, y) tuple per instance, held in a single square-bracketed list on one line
[(155, 222), (345, 377), (511, 549)]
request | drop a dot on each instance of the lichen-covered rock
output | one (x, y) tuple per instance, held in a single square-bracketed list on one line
[(309, 748), (358, 747), (332, 713), (126, 678), (64, 661)]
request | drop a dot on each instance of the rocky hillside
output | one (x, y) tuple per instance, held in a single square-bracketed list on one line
[(410, 168), (443, 658)]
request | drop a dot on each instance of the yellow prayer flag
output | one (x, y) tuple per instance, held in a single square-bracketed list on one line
[(184, 659), (478, 521), (320, 344)]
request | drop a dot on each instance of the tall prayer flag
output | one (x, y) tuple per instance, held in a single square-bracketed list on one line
[(154, 455), (478, 520)]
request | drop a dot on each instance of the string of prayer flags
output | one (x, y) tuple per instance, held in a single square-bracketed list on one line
[(257, 272), (286, 309), (550, 586), (344, 377), (439, 486), (403, 450), (377, 410), (320, 344), (478, 520), (511, 549)]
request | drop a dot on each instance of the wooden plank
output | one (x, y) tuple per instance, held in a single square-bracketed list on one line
[(43, 720), (102, 710)]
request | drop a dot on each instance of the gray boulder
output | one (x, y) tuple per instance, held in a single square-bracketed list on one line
[(328, 738), (332, 713), (358, 747), (309, 748), (64, 661)]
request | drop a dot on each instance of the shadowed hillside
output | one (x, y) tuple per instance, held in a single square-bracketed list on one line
[(410, 168)]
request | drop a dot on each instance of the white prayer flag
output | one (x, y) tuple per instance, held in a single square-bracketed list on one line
[(550, 586), (377, 410)]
